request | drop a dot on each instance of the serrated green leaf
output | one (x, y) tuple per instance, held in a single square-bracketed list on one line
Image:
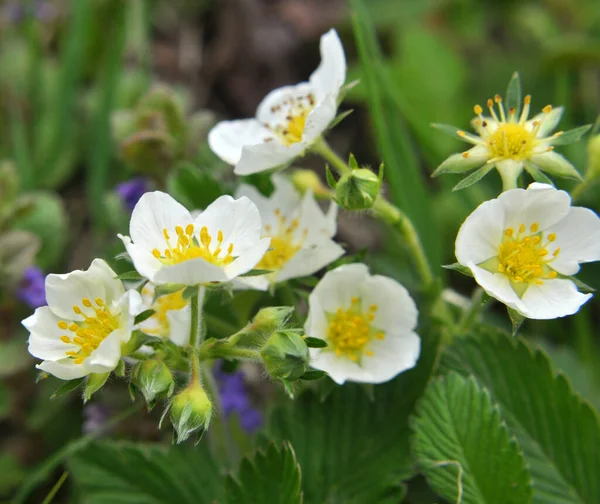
[(516, 320), (145, 315), (353, 450), (571, 136), (128, 473), (272, 477), (557, 431), (67, 387), (513, 97), (454, 421), (315, 342), (475, 177), (460, 268)]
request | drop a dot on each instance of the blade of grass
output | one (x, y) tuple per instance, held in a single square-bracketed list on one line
[(403, 170), (101, 139)]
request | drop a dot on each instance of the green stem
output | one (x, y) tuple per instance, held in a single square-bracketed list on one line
[(56, 488), (322, 148), (509, 179), (392, 215), (219, 349), (472, 312), (196, 304)]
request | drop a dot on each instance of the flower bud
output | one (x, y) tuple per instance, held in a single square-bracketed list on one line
[(9, 182), (358, 189), (271, 318), (153, 379), (285, 355), (190, 411), (308, 180)]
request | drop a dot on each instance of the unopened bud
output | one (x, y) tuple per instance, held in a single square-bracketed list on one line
[(285, 355), (153, 379), (190, 411), (593, 148), (358, 189), (308, 180), (271, 318)]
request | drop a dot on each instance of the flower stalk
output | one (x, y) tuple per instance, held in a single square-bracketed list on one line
[(196, 304)]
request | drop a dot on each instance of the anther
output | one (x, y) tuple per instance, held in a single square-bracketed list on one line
[(477, 109), (65, 339), (547, 109), (527, 100), (63, 325), (156, 253), (497, 98), (77, 310), (465, 155), (461, 133), (166, 234), (86, 302), (179, 230), (189, 229), (534, 227)]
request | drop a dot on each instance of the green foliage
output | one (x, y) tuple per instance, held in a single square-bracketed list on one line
[(272, 476), (354, 448), (464, 448), (193, 188), (557, 431), (127, 473)]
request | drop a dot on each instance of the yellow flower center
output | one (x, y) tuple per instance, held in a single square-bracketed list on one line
[(191, 246), (284, 243), (163, 305), (91, 332), (511, 141), (524, 257), (350, 331), (291, 130)]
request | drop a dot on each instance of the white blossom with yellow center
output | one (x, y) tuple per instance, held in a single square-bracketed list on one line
[(88, 317), (509, 141), (301, 234), (168, 245), (523, 246), (172, 315), (288, 120), (368, 322)]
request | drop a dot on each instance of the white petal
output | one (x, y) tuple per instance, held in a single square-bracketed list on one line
[(339, 369), (154, 212), (549, 121), (261, 283), (311, 217), (540, 203), (396, 310), (179, 325), (310, 260), (337, 288), (65, 369), (480, 235), (397, 352), (129, 306), (143, 261), (330, 75), (553, 299), (248, 260), (578, 236), (44, 341), (239, 220), (266, 156), (66, 290), (106, 357), (319, 119), (191, 272), (227, 138), (273, 110), (497, 286)]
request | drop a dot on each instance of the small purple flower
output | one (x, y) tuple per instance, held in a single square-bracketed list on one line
[(234, 399), (95, 415), (32, 290), (15, 12), (131, 191)]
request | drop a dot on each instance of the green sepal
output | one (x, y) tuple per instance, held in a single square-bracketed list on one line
[(120, 369), (331, 182), (130, 275), (315, 342), (449, 129), (288, 387), (516, 319), (313, 374), (163, 290), (67, 387), (352, 163), (456, 163), (475, 177), (339, 118), (571, 136), (94, 382), (145, 315), (189, 292), (257, 272), (513, 96), (536, 174), (345, 90), (581, 286), (557, 165), (460, 268)]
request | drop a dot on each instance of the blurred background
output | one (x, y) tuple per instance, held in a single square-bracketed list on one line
[(101, 100)]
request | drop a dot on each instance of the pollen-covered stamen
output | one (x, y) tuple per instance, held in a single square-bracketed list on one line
[(286, 241), (192, 245), (89, 333), (351, 330), (296, 109), (525, 111), (524, 256)]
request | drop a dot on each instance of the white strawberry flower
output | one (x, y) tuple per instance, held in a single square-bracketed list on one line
[(288, 120), (168, 245), (300, 234), (510, 141), (368, 322), (88, 318), (172, 315), (524, 246)]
